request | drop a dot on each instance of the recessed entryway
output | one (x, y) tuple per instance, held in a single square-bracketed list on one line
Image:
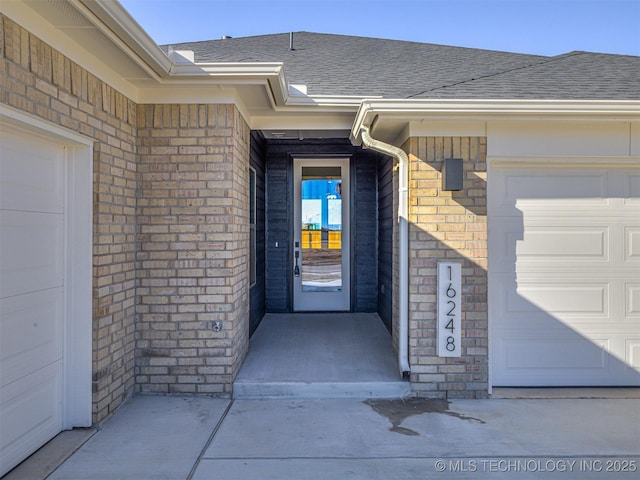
[(321, 355), (325, 217)]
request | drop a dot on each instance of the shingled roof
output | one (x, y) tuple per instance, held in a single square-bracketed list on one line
[(371, 67)]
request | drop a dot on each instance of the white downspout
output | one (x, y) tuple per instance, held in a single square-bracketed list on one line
[(403, 234)]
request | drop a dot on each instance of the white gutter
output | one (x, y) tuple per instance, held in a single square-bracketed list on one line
[(126, 32), (395, 114), (403, 234), (430, 108)]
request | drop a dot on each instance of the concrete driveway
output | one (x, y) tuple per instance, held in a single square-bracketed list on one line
[(201, 438)]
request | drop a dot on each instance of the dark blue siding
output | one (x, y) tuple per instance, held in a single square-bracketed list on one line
[(365, 221), (385, 240), (364, 239), (257, 292), (278, 230)]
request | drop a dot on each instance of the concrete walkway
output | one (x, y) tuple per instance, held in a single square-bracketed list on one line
[(201, 438)]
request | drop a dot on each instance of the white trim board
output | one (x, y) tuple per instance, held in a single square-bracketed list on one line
[(78, 206)]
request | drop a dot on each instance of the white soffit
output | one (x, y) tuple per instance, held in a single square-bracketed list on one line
[(308, 120), (60, 24)]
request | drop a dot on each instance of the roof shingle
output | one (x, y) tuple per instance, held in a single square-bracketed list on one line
[(371, 67)]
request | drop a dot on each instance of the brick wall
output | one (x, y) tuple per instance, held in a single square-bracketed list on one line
[(193, 222), (447, 226), (41, 81), (189, 194)]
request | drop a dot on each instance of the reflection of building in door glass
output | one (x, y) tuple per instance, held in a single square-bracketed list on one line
[(311, 214), (335, 214), (321, 204), (321, 239)]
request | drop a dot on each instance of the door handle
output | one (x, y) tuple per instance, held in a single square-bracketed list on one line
[(296, 269)]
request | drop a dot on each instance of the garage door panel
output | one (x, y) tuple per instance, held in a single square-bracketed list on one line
[(632, 189), (568, 300), (632, 301), (557, 185), (572, 353), (504, 234), (30, 333), (519, 301), (32, 252), (30, 413), (576, 211), (528, 360), (560, 246), (516, 190), (32, 179), (564, 243), (632, 349), (616, 191), (564, 282), (505, 299), (632, 244)]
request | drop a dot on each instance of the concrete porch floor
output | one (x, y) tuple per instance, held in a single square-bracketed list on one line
[(320, 355)]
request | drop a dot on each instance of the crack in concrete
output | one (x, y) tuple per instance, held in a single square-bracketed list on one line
[(398, 410)]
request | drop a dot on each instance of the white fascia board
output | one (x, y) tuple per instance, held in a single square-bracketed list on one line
[(111, 19), (271, 75), (481, 110), (247, 73), (232, 70), (117, 20), (115, 23), (143, 49)]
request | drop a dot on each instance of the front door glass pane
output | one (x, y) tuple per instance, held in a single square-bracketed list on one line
[(321, 211)]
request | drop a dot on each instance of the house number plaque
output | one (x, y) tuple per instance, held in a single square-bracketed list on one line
[(449, 303)]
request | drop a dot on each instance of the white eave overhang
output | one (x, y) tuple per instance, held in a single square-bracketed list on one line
[(393, 121), (102, 37)]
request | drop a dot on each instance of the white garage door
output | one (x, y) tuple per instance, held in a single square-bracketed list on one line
[(32, 307), (564, 276)]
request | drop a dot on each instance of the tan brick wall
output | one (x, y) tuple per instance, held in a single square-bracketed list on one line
[(447, 226), (193, 223), (41, 81)]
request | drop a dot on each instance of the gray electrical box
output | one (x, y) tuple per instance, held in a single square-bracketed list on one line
[(452, 174)]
